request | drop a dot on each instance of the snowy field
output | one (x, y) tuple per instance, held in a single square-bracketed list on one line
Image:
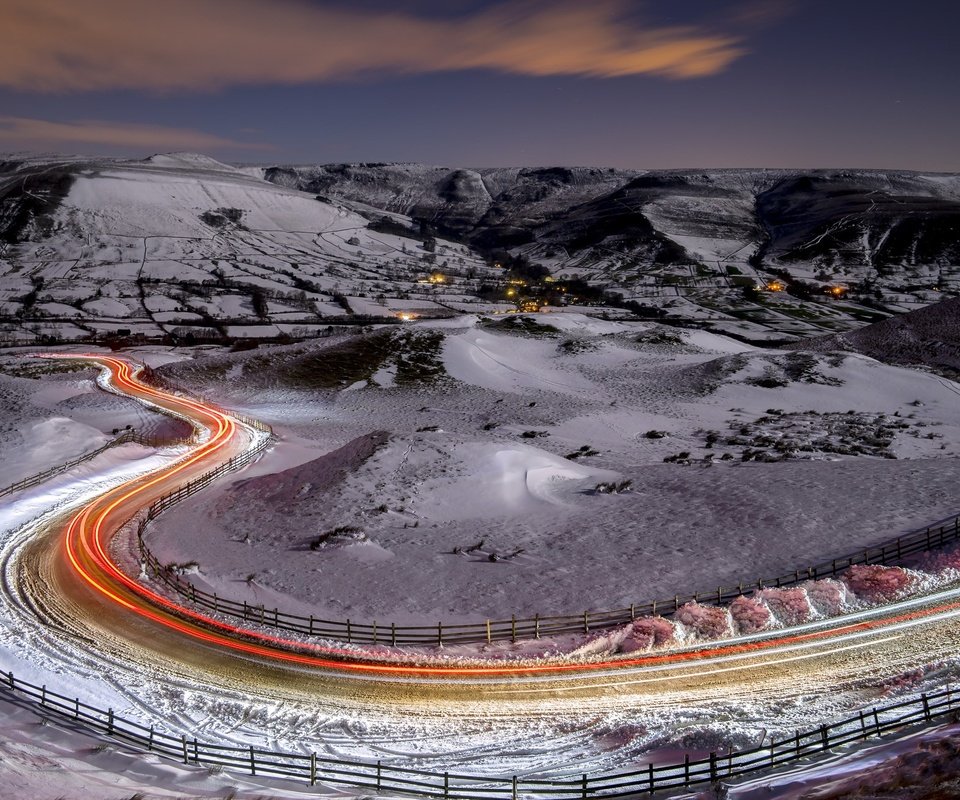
[(476, 478), (449, 470)]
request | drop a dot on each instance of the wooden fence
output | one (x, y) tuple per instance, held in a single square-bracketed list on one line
[(312, 768), (123, 438), (515, 628)]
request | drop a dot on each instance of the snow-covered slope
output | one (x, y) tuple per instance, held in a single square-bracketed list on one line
[(182, 243), (889, 240), (484, 495), (928, 337)]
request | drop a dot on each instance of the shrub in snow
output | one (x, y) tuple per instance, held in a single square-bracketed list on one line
[(790, 606), (749, 615), (941, 561), (876, 583), (705, 622), (828, 597), (647, 633), (613, 487)]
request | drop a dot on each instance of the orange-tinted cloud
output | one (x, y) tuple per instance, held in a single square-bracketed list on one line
[(20, 132), (79, 45)]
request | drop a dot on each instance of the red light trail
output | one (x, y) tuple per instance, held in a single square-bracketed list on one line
[(87, 539)]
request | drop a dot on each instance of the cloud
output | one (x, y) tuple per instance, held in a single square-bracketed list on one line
[(29, 133), (84, 45)]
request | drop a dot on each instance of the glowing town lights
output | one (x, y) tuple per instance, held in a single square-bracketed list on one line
[(776, 286), (406, 316)]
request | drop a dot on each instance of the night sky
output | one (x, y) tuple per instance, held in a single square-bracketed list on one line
[(656, 84)]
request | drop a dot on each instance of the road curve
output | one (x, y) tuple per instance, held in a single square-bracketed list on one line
[(76, 577)]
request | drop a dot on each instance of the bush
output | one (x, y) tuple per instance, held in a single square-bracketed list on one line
[(612, 487), (647, 633), (749, 615), (705, 622)]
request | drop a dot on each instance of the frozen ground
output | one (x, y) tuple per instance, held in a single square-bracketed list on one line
[(479, 487)]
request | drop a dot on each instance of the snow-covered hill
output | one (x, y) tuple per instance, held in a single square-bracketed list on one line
[(182, 244), (928, 337), (887, 240)]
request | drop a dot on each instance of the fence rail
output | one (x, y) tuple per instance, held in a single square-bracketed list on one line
[(515, 628), (124, 438), (312, 768)]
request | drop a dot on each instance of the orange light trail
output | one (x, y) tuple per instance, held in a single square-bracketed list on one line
[(88, 535)]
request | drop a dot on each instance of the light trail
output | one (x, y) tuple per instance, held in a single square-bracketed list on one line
[(88, 536)]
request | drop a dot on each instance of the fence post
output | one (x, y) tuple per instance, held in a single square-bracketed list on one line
[(311, 624), (824, 737), (514, 795), (488, 632), (686, 769), (650, 776), (876, 721), (313, 769), (43, 695), (446, 784), (926, 707), (583, 793), (586, 622), (76, 708), (150, 740), (536, 625), (253, 762), (374, 631), (109, 722), (349, 632), (713, 768), (393, 634), (440, 634), (513, 628), (183, 742), (378, 774)]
